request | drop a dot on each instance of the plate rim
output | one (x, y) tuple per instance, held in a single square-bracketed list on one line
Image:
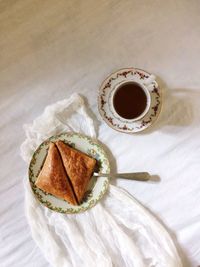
[(70, 210)]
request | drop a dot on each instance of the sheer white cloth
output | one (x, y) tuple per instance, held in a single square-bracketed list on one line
[(116, 232)]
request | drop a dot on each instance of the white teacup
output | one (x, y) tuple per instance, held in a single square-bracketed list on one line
[(145, 92)]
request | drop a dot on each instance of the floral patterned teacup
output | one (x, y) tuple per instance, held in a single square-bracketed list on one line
[(130, 100)]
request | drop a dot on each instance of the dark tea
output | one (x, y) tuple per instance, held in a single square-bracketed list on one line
[(130, 100)]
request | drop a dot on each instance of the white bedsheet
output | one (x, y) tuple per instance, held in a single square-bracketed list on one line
[(50, 49)]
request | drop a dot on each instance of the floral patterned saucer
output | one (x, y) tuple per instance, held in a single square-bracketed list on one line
[(105, 94), (97, 186)]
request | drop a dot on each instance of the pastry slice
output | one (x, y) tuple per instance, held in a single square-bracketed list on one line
[(79, 168), (53, 178)]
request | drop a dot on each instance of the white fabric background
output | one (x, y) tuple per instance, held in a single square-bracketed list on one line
[(49, 50)]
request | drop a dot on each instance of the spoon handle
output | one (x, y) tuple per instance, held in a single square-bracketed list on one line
[(138, 176)]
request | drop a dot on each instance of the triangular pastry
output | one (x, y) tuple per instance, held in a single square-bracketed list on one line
[(79, 168), (53, 178)]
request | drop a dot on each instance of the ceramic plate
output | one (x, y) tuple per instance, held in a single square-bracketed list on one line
[(97, 186), (127, 75)]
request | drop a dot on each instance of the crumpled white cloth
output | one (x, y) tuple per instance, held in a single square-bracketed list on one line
[(117, 232)]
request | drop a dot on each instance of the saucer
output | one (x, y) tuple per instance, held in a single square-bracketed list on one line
[(129, 75)]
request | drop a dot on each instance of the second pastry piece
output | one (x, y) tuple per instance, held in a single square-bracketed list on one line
[(78, 166)]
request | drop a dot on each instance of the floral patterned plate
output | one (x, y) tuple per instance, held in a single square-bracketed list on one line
[(97, 186), (105, 95)]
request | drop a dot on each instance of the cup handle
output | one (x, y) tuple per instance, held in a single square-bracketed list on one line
[(149, 82), (150, 87)]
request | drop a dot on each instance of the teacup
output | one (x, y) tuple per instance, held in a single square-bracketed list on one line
[(130, 100)]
